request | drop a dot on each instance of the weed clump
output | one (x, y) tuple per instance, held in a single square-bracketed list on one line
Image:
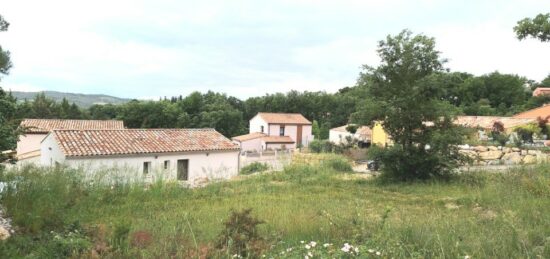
[(254, 168), (240, 235)]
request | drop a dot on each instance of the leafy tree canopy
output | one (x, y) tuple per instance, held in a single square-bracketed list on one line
[(538, 28)]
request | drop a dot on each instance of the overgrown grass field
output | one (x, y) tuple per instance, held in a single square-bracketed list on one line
[(479, 214)]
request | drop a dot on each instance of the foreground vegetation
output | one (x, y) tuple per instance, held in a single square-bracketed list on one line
[(475, 214)]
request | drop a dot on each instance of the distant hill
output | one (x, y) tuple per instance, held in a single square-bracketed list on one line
[(82, 100)]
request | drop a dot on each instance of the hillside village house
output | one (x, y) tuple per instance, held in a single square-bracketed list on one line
[(364, 135), (276, 131), (539, 91), (173, 154), (35, 130), (340, 135)]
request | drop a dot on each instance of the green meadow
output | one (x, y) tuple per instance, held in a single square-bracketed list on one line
[(306, 210)]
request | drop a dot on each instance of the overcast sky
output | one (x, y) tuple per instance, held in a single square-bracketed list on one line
[(147, 49)]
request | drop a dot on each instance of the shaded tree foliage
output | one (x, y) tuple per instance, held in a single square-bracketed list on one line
[(538, 28), (405, 95)]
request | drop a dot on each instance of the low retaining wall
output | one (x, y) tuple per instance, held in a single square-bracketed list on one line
[(491, 155)]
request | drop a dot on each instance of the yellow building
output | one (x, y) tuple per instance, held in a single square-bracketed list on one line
[(379, 135)]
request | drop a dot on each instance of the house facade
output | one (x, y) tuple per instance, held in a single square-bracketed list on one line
[(340, 135), (188, 155), (35, 130), (276, 131)]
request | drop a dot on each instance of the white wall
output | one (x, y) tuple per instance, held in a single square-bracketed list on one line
[(202, 165), (307, 136), (256, 124), (50, 152), (251, 145), (338, 137), (29, 142)]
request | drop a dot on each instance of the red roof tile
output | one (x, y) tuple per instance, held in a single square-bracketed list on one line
[(284, 118), (47, 125), (250, 136), (139, 141), (542, 112), (277, 139)]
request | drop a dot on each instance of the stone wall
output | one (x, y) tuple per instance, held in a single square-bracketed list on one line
[(491, 155)]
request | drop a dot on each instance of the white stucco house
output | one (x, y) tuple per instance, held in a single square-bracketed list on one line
[(188, 155), (276, 131), (340, 135), (35, 130)]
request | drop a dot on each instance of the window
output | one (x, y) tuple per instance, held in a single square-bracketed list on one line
[(282, 131), (262, 128), (166, 164), (146, 167)]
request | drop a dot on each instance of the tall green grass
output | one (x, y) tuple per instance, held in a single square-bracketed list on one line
[(479, 214)]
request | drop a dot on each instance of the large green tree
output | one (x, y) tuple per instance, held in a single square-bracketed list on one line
[(538, 28), (406, 95), (8, 133)]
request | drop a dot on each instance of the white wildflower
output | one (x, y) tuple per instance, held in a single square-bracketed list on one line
[(326, 245), (467, 257), (309, 254), (371, 251), (346, 248), (302, 241), (306, 257), (378, 253), (307, 246), (289, 249), (356, 249)]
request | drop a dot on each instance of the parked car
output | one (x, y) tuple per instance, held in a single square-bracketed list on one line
[(373, 165)]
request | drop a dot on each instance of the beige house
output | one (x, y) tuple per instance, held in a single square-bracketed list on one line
[(484, 124), (188, 155), (35, 130), (276, 131)]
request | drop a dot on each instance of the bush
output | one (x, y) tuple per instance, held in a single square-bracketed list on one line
[(240, 235), (321, 146), (254, 167), (338, 164)]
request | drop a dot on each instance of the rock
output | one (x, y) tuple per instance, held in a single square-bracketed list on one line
[(4, 233), (470, 153), (464, 147), (481, 148), (547, 143), (506, 150), (515, 149), (533, 152), (492, 148), (513, 158), (490, 155), (529, 159), (523, 152)]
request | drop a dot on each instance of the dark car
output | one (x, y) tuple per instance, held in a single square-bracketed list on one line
[(373, 165)]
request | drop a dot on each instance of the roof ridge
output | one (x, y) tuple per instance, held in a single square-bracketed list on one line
[(136, 129)]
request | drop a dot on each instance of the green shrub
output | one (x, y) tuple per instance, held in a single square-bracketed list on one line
[(254, 167), (240, 235), (339, 164), (321, 146)]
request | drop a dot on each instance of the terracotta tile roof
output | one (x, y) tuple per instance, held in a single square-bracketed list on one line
[(139, 141), (250, 136), (487, 122), (284, 118), (277, 139), (47, 125), (363, 131), (542, 112)]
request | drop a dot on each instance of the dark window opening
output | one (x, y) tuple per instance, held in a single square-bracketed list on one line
[(262, 128), (146, 167), (166, 164), (282, 131)]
